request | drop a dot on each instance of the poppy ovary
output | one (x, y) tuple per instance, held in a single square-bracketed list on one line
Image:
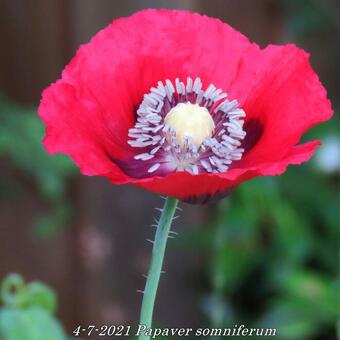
[(190, 121)]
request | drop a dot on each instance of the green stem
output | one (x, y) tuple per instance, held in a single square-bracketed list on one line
[(157, 257)]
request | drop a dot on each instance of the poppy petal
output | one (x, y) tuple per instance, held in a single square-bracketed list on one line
[(286, 102), (72, 127)]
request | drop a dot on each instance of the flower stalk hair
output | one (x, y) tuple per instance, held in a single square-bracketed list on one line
[(185, 106)]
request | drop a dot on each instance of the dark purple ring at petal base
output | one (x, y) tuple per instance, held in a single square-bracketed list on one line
[(254, 130)]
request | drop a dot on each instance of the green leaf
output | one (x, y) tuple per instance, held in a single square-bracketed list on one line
[(15, 294), (30, 324), (39, 295)]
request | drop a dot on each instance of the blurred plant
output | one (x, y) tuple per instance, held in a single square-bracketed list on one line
[(21, 132), (273, 248), (27, 311)]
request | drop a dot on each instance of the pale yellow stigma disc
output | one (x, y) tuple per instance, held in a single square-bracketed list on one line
[(190, 120)]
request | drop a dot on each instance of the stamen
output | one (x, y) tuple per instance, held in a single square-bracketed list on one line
[(154, 167), (144, 156)]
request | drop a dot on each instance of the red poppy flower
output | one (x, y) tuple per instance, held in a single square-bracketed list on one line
[(183, 105)]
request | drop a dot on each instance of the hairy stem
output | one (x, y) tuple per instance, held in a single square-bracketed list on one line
[(158, 250)]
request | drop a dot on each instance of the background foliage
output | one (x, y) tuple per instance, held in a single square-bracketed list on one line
[(21, 132), (27, 311)]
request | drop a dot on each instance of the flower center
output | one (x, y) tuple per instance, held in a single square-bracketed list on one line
[(181, 127), (192, 121)]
